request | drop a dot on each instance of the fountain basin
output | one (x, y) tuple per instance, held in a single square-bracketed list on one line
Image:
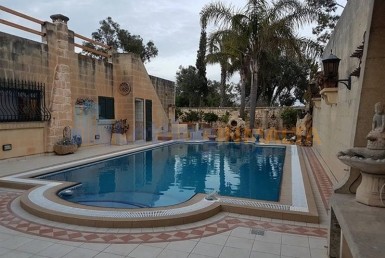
[(368, 165), (373, 179)]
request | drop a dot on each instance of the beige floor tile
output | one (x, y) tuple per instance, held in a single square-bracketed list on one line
[(109, 255), (81, 253), (317, 242), (270, 237), (207, 249), (198, 256), (295, 251), (56, 250), (242, 232), (16, 254), (238, 242), (318, 253), (159, 244), (167, 253), (184, 246), (35, 246), (95, 246), (15, 242), (4, 250), (231, 252), (215, 239), (56, 241), (264, 247), (143, 251), (263, 255), (120, 249), (295, 240)]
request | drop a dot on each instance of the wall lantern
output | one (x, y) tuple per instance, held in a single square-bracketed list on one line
[(330, 65)]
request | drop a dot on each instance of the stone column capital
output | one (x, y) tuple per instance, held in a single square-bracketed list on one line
[(59, 18)]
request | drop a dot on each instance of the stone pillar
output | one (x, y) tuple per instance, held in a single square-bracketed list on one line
[(265, 119), (60, 89)]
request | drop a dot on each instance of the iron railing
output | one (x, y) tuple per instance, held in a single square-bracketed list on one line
[(22, 101)]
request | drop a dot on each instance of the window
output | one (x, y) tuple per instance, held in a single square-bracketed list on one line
[(22, 101), (106, 108)]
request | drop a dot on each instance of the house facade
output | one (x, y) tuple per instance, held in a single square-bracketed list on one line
[(46, 86)]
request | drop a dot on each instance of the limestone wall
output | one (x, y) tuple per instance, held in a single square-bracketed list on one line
[(345, 123), (265, 117), (166, 92), (23, 59), (69, 76)]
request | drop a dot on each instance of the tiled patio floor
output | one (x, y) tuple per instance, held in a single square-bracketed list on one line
[(224, 235)]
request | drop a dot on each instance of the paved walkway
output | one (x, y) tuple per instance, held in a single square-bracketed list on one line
[(224, 235)]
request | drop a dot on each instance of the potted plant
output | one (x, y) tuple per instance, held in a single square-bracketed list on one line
[(84, 105), (118, 132), (66, 145)]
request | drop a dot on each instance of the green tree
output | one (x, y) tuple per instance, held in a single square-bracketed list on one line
[(283, 80), (188, 92), (200, 62), (121, 40), (289, 117), (214, 95), (265, 29), (326, 21)]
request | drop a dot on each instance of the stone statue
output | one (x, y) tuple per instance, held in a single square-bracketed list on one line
[(375, 148), (234, 129), (376, 136)]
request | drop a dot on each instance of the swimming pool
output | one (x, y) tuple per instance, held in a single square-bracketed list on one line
[(174, 173)]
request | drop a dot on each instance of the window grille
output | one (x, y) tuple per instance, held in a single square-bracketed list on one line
[(22, 101)]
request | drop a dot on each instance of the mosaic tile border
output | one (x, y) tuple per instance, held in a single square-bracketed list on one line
[(12, 221), (324, 184)]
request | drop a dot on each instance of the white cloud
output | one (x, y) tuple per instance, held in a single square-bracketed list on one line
[(172, 25)]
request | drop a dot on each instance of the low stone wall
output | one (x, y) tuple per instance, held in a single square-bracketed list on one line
[(265, 117)]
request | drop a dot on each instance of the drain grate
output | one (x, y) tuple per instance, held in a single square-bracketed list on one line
[(258, 232)]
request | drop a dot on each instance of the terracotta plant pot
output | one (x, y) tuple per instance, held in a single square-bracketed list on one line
[(64, 149)]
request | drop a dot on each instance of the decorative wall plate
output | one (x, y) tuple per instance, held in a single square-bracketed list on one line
[(124, 88)]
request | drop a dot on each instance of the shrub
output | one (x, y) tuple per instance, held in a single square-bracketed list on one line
[(225, 118), (120, 126), (191, 116), (289, 117), (210, 117)]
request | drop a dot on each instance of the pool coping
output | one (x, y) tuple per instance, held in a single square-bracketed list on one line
[(40, 199)]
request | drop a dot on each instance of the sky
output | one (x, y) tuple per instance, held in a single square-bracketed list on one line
[(172, 25)]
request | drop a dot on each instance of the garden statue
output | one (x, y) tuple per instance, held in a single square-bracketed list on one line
[(235, 129), (375, 148)]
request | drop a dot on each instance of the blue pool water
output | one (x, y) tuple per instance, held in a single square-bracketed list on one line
[(173, 174)]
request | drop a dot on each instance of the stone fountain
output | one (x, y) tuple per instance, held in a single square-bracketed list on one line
[(370, 160), (234, 131)]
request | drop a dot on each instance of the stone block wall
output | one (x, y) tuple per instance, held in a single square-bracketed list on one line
[(166, 92), (69, 76), (265, 117), (346, 123)]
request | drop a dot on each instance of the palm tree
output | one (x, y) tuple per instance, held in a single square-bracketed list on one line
[(265, 29)]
